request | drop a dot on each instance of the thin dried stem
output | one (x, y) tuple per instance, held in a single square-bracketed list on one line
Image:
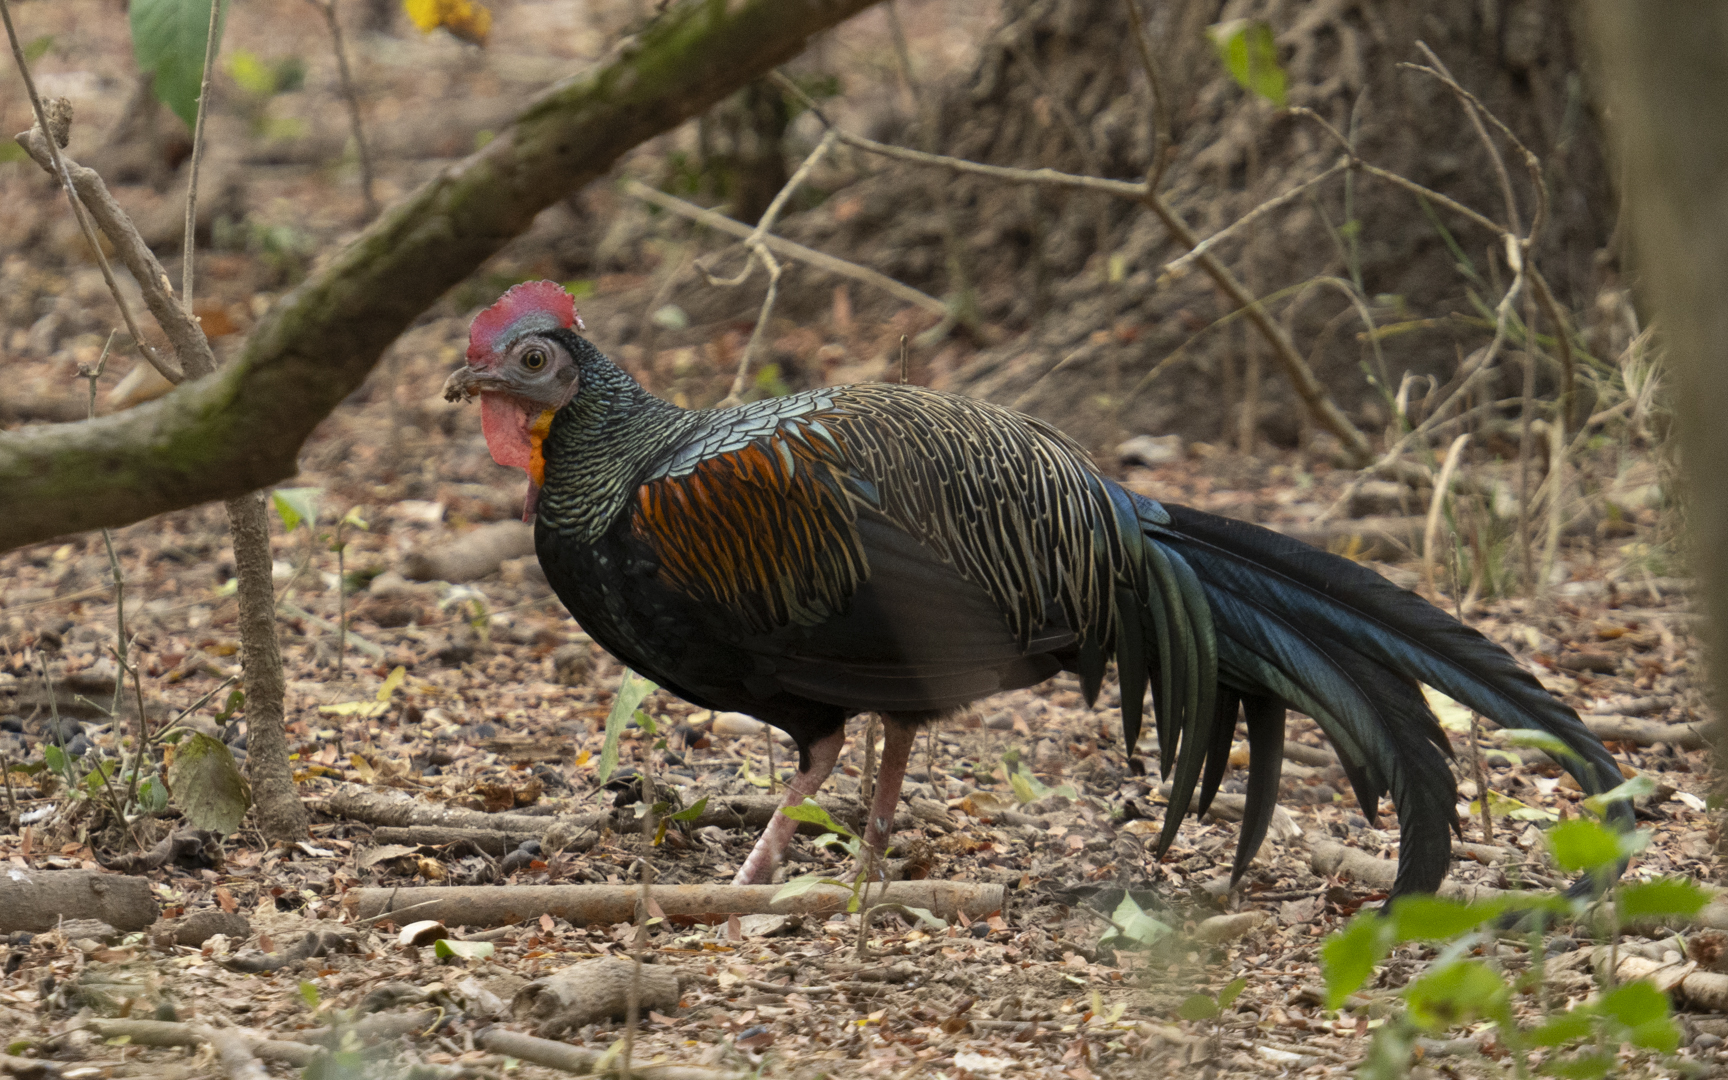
[(785, 248), (351, 98), (1437, 503), (210, 47), (760, 251), (1163, 142), (1178, 266), (1474, 110)]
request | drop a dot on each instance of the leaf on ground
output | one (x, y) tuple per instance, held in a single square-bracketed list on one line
[(207, 785)]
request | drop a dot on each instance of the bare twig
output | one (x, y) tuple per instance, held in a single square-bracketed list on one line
[(961, 304), (351, 98), (210, 47), (1178, 266), (1163, 141), (759, 251), (43, 142), (785, 248), (1296, 369)]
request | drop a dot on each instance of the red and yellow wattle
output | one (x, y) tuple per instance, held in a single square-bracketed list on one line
[(514, 440), (536, 435)]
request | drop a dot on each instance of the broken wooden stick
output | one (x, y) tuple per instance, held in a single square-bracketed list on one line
[(1328, 857), (581, 1060), (472, 555), (1692, 736), (169, 1033), (1682, 979), (583, 905), (36, 900)]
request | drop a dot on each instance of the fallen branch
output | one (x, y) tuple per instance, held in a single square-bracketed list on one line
[(36, 900), (472, 555), (584, 905), (169, 1033), (1328, 858), (1692, 736), (580, 1059), (1698, 989)]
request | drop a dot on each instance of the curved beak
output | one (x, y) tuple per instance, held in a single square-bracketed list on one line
[(465, 382)]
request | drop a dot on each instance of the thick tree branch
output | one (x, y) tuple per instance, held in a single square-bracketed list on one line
[(241, 429)]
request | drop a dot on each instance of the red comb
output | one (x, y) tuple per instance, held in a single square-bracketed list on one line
[(532, 305)]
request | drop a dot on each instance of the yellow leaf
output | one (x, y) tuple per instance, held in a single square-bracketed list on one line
[(363, 767), (356, 708), (463, 18), (392, 683)]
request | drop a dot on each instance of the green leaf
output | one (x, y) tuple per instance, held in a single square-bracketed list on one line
[(798, 886), (153, 794), (1232, 990), (207, 785), (1348, 957), (1634, 1003), (1635, 788), (1552, 745), (1662, 897), (926, 917), (38, 48), (809, 810), (294, 505), (1456, 994), (1431, 917), (1198, 1007), (646, 723), (632, 688), (55, 757), (309, 994), (168, 39), (1580, 844), (1250, 54), (690, 813), (1565, 1029), (445, 949)]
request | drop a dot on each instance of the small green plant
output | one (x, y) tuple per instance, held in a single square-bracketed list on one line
[(1458, 988), (846, 840)]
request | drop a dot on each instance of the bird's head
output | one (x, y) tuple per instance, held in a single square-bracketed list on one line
[(521, 364)]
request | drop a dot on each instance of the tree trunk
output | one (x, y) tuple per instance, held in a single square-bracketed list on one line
[(275, 801), (1666, 93)]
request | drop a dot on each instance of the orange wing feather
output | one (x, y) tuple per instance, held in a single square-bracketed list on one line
[(766, 530)]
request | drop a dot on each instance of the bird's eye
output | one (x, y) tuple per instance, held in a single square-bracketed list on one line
[(534, 359)]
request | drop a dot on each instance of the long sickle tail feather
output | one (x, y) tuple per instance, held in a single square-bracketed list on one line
[(1295, 624)]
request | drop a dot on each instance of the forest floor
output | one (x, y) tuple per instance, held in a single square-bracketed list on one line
[(504, 701)]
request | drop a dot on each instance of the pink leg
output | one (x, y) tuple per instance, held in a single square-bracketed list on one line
[(765, 856), (897, 738)]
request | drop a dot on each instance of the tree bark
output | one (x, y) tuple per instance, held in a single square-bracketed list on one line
[(1666, 93), (241, 429), (275, 801)]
